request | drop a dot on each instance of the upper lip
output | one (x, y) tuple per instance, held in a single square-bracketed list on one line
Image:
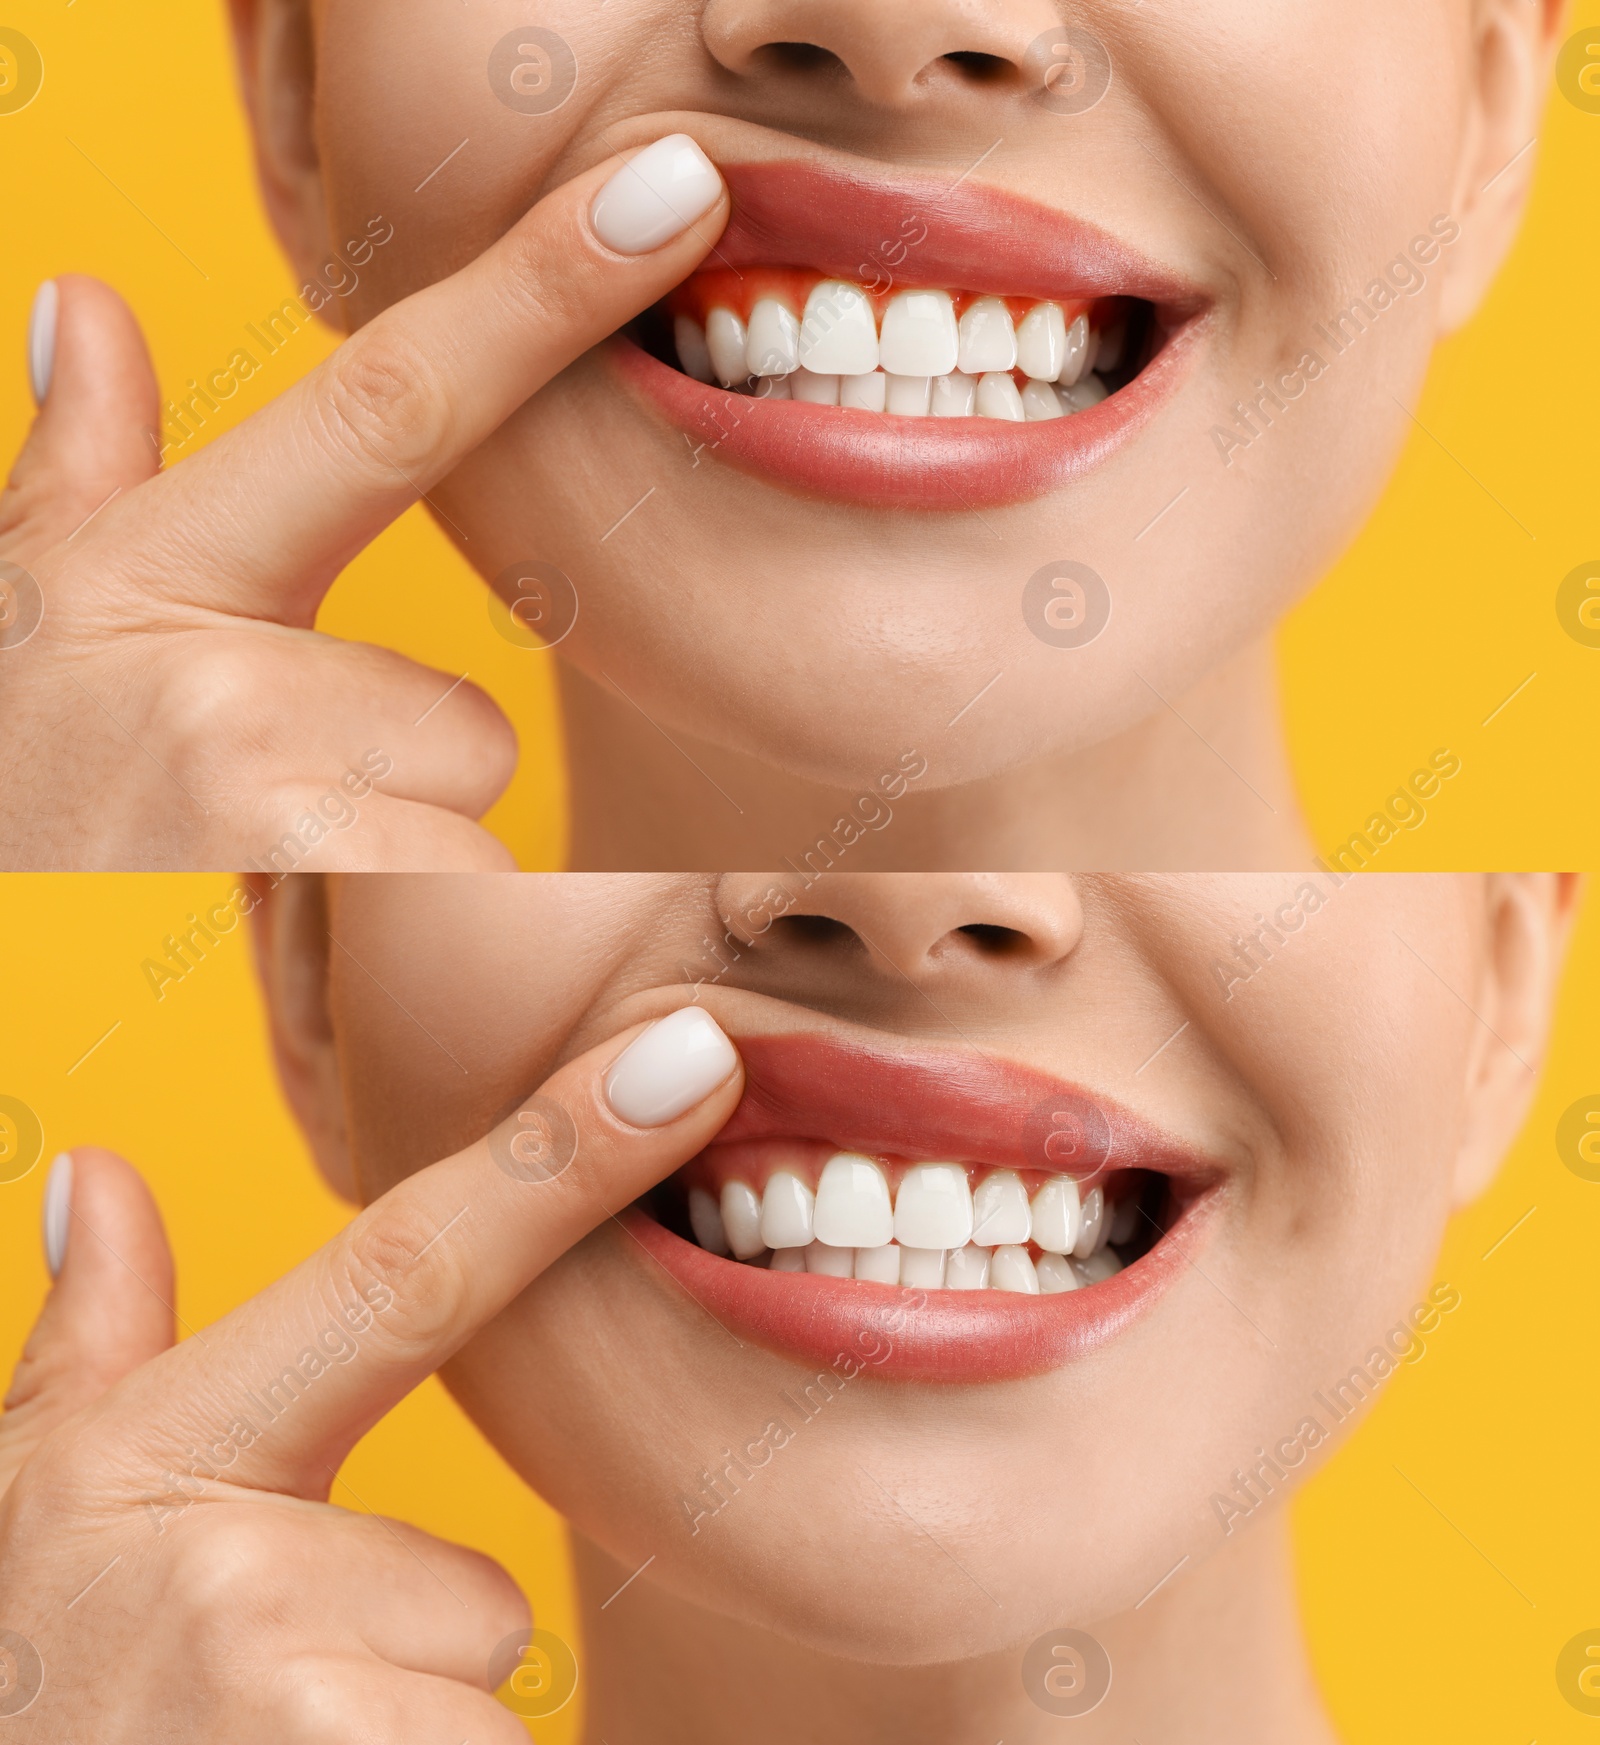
[(910, 1101), (859, 225)]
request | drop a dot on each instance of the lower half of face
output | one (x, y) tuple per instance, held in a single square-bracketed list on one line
[(1069, 1313), (1089, 418)]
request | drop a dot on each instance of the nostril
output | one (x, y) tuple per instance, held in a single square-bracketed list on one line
[(815, 930), (995, 941), (980, 69), (799, 57)]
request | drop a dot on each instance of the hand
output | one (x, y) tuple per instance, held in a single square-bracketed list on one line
[(167, 1554), (174, 707)]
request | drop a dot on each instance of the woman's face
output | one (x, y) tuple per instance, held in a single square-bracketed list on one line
[(1282, 202), (1296, 1079)]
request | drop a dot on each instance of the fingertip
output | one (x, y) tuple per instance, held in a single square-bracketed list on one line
[(108, 1233), (657, 196), (96, 433), (100, 362), (671, 1068)]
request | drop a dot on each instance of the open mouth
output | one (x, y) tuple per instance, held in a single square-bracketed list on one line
[(788, 334), (890, 342), (965, 1219), (794, 1206)]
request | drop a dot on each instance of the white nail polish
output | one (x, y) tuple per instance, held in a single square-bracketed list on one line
[(42, 339), (656, 196), (57, 1212), (678, 1062)]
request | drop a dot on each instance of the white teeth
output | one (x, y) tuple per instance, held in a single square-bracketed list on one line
[(1098, 1267), (1124, 1220), (815, 390), (1041, 402), (1094, 1214), (1056, 1274), (853, 1209), (741, 1219), (967, 1269), (839, 336), (998, 398), (865, 393), (1057, 1216), (880, 1266), (955, 396), (1042, 342), (772, 346), (726, 340), (934, 1207), (988, 338), (1011, 1270), (787, 1212), (1000, 1211), (920, 337), (787, 1260), (772, 388), (694, 356), (922, 1268), (832, 1262), (1089, 392), (1077, 355), (706, 1222), (909, 396)]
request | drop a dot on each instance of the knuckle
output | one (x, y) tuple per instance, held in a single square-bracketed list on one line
[(411, 1279), (384, 404), (216, 709), (314, 1702), (225, 1567)]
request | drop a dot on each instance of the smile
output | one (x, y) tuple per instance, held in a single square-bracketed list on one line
[(999, 1221), (941, 347), (788, 335)]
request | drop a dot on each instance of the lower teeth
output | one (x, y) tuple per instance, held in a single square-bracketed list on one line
[(960, 1269), (996, 396)]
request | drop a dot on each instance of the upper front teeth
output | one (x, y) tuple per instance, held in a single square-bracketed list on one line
[(988, 338), (853, 1209), (934, 1232), (919, 335), (934, 1207), (839, 336), (924, 359), (1002, 1217), (728, 342)]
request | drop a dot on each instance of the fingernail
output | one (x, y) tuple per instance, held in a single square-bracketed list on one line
[(678, 1062), (656, 196), (57, 1212), (42, 339)]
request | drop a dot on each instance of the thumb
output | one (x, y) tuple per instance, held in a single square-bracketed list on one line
[(99, 412), (110, 1308)]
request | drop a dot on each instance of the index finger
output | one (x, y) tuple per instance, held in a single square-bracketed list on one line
[(264, 519), (276, 1394)]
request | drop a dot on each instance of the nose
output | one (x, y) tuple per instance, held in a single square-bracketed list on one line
[(894, 52), (926, 928)]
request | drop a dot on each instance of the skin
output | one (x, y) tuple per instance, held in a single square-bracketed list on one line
[(167, 701), (747, 661), (775, 637), (1356, 1089)]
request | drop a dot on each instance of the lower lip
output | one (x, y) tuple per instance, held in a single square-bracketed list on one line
[(938, 1336), (904, 463)]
